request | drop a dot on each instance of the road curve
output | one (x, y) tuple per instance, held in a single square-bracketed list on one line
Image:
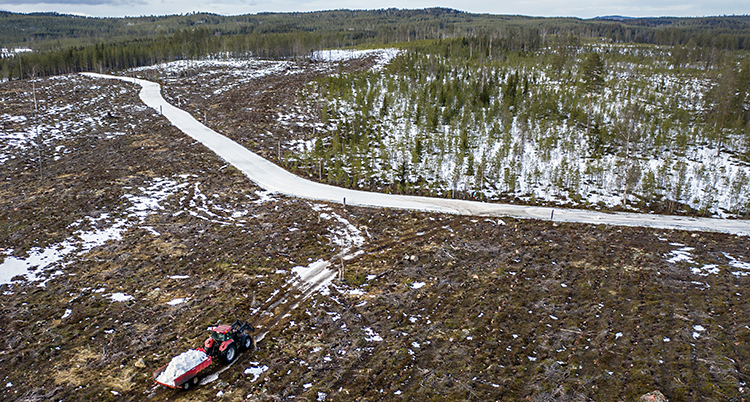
[(275, 179)]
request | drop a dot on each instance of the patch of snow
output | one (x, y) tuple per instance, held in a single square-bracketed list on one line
[(256, 371), (322, 396), (682, 254), (82, 241), (151, 230), (618, 335), (371, 336), (307, 386), (263, 197), (666, 339), (66, 314), (120, 297), (705, 270), (177, 301), (315, 276), (178, 276), (383, 56), (744, 267), (417, 285)]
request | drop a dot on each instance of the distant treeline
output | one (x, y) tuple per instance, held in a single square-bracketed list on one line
[(67, 44)]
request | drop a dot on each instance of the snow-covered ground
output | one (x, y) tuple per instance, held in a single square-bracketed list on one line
[(273, 178), (538, 152), (382, 56), (55, 122), (142, 202)]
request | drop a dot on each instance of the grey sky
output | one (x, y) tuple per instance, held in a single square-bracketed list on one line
[(546, 8)]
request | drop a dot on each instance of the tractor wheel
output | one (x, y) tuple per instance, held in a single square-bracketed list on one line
[(247, 341), (186, 386), (229, 353)]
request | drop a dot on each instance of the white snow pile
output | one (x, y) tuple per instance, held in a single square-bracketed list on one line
[(180, 365)]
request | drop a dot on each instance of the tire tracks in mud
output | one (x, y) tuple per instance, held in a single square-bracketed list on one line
[(275, 179)]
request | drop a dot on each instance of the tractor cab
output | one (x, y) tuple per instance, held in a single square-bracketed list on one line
[(220, 332)]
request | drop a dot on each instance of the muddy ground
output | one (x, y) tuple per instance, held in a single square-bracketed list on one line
[(438, 307)]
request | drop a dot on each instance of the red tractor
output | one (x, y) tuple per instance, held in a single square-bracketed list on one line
[(226, 340)]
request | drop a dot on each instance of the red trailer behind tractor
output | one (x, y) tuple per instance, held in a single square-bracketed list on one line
[(188, 379), (225, 341)]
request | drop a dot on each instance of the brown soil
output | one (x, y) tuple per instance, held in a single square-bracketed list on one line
[(509, 310)]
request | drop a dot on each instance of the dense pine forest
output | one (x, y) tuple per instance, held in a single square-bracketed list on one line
[(65, 44)]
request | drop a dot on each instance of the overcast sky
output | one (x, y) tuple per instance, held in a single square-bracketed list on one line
[(546, 8)]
